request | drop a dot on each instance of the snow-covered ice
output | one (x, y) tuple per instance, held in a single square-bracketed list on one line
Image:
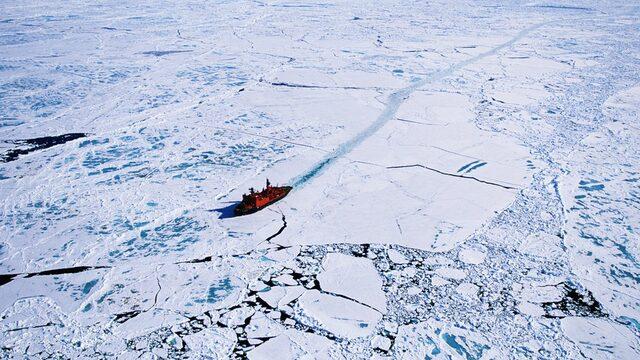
[(465, 179)]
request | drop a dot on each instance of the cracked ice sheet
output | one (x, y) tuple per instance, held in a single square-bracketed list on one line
[(444, 137), (431, 211), (601, 202)]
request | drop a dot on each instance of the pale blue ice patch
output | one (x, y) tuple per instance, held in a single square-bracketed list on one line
[(266, 259), (86, 288), (217, 291), (435, 350), (472, 166), (464, 167), (451, 341), (476, 166), (590, 185), (630, 322)]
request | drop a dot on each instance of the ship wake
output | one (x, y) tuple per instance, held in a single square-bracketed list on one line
[(394, 101)]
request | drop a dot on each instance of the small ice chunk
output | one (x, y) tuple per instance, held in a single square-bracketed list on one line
[(471, 256), (437, 260), (214, 315), (409, 272), (175, 341), (258, 286), (530, 309), (438, 281), (286, 279), (414, 290), (213, 341), (206, 321), (356, 278), (467, 289), (261, 326), (538, 293), (273, 296), (236, 317), (391, 327), (160, 352), (381, 342), (284, 254), (274, 314), (292, 293), (340, 316), (543, 245), (451, 273), (397, 257)]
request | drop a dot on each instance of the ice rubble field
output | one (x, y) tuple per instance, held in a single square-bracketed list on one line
[(466, 180)]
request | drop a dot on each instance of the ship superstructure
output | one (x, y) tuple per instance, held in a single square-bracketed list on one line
[(255, 201)]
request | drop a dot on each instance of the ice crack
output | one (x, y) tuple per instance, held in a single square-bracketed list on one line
[(6, 278), (453, 175)]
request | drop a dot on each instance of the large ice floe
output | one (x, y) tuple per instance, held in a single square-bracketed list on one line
[(466, 179)]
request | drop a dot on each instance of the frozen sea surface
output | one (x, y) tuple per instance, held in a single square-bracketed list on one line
[(467, 180)]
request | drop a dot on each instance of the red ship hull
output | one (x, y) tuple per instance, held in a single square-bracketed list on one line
[(257, 201)]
